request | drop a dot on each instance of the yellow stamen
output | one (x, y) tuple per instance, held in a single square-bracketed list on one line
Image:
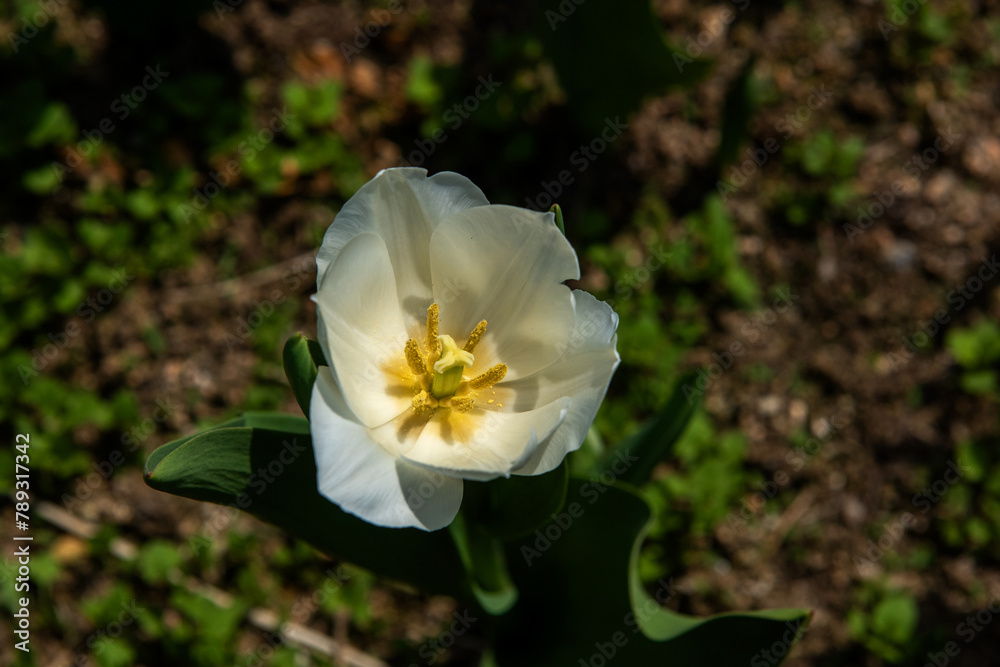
[(461, 404), (414, 359), (475, 336), (489, 378), (439, 368), (424, 403), (433, 347)]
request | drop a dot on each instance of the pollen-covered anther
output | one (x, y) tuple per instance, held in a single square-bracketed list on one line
[(433, 346), (461, 404), (423, 403), (475, 336), (414, 359), (489, 378)]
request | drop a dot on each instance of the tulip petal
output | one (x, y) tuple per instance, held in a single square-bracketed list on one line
[(403, 207), (366, 480), (484, 444), (505, 265), (361, 330), (583, 372)]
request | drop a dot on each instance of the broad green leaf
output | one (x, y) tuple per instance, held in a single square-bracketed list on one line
[(301, 356), (655, 440), (516, 506), (581, 597), (499, 510), (263, 464), (268, 420)]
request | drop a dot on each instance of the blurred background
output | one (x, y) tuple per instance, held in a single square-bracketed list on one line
[(796, 201)]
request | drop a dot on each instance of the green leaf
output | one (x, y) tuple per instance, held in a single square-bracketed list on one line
[(263, 463), (979, 382), (301, 357), (560, 223), (41, 181), (54, 126), (420, 84), (516, 506), (581, 592), (157, 560), (499, 510), (655, 440), (115, 652), (484, 560), (977, 346), (268, 420)]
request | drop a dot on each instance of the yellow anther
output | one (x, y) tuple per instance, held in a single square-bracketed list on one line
[(489, 378), (439, 368), (423, 403), (414, 359), (475, 336), (461, 404), (433, 347)]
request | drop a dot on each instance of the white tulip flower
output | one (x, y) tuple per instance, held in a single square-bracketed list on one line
[(455, 350)]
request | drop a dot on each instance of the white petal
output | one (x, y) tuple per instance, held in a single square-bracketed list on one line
[(582, 373), (361, 330), (403, 207), (505, 265), (364, 479), (483, 444)]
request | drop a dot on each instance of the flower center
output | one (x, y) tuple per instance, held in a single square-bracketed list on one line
[(439, 366), (448, 369)]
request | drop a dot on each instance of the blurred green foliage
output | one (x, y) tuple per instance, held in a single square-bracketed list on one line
[(885, 622), (977, 350)]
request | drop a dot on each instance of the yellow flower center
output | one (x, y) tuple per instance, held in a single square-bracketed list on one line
[(439, 366)]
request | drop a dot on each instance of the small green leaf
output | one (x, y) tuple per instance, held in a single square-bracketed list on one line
[(301, 357), (655, 440), (979, 382), (895, 618), (41, 181), (115, 652), (157, 560), (54, 126), (420, 84), (559, 218), (484, 560), (977, 346)]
